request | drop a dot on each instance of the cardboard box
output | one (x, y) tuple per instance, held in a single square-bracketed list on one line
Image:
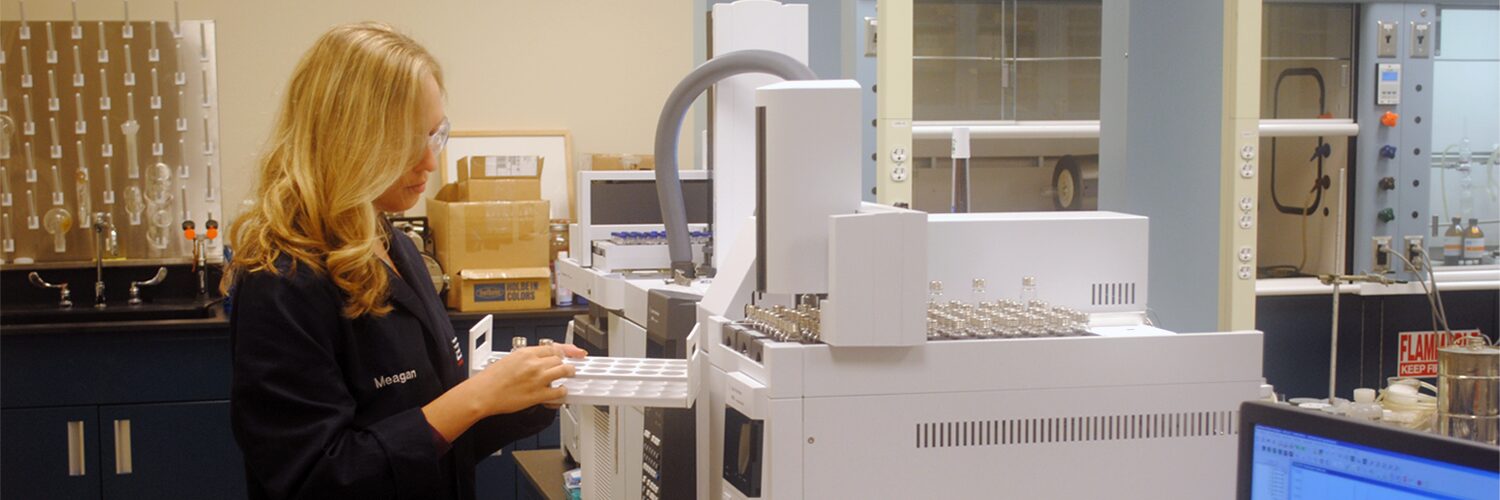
[(488, 234), (500, 167), (622, 162), (500, 190), (501, 289)]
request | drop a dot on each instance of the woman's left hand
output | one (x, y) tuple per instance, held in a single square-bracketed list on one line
[(565, 351)]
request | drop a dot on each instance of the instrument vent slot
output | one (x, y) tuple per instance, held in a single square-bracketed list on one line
[(604, 441), (1049, 430), (1112, 294)]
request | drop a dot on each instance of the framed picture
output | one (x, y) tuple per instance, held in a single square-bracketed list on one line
[(554, 146)]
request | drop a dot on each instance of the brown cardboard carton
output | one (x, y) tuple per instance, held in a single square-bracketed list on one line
[(622, 162), (518, 189), (501, 289), (488, 234), (500, 167)]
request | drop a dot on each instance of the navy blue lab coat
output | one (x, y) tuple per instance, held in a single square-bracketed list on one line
[(329, 407)]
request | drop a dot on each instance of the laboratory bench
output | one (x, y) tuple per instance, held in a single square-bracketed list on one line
[(1296, 318), (111, 408), (543, 470)]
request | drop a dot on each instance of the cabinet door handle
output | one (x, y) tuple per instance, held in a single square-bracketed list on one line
[(75, 448), (122, 447)]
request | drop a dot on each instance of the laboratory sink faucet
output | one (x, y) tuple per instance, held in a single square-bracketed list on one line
[(105, 237), (62, 289), (200, 242)]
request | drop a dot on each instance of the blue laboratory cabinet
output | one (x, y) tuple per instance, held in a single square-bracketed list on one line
[(140, 410)]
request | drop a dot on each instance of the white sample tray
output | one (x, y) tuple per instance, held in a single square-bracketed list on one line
[(606, 381)]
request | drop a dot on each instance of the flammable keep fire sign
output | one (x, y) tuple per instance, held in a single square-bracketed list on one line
[(1417, 353)]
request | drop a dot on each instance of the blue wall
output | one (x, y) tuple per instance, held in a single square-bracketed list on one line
[(1171, 167)]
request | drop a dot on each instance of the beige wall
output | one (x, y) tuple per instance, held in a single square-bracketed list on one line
[(598, 68)]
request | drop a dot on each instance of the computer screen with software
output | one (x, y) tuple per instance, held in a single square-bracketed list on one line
[(1292, 454), (1290, 465)]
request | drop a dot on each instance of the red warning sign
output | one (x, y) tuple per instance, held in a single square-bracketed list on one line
[(1416, 355)]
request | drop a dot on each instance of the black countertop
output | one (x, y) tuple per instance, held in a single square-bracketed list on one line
[(220, 320), (216, 319), (172, 306), (555, 312)]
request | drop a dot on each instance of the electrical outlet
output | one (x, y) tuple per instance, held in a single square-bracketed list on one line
[(898, 174), (1414, 253), (1381, 245), (898, 155)]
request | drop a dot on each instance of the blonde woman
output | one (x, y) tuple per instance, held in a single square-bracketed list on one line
[(348, 379)]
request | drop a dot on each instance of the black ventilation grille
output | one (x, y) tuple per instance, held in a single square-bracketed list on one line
[(1075, 429), (1113, 294)]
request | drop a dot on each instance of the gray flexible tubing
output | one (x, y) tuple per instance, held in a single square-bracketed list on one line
[(669, 125)]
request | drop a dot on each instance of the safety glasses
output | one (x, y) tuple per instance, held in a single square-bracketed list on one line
[(439, 138)]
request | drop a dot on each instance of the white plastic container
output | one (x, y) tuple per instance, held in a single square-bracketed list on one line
[(1365, 406)]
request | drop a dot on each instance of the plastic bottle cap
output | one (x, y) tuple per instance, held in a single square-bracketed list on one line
[(1364, 395)]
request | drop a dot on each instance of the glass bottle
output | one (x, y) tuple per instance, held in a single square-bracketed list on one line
[(1473, 242), (1453, 243)]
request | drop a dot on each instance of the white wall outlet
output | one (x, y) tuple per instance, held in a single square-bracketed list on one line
[(898, 174), (898, 155), (1246, 254)]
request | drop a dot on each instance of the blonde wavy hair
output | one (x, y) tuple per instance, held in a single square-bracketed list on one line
[(349, 126)]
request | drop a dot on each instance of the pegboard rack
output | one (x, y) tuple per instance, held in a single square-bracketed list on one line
[(72, 95)]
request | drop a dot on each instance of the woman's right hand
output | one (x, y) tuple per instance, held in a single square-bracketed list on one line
[(523, 379)]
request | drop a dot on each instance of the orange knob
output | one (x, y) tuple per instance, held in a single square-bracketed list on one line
[(189, 234), (1390, 119), (213, 233)]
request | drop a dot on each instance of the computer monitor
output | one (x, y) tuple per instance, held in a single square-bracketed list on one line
[(1293, 453)]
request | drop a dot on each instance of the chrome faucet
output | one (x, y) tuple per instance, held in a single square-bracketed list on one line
[(103, 222), (200, 264), (200, 243), (62, 289), (135, 286)]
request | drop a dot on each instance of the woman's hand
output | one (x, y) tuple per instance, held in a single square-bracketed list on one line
[(523, 379), (516, 382)]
